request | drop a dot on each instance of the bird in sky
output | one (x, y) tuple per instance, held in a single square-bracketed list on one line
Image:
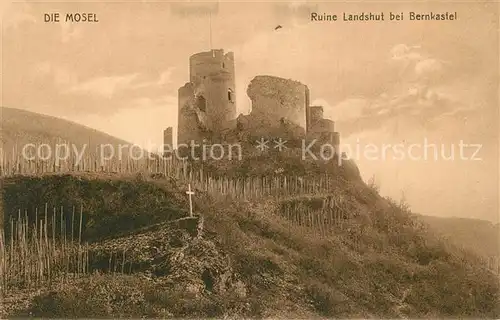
[(278, 27)]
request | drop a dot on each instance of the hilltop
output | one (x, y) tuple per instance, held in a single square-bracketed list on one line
[(251, 258), (21, 127), (264, 242)]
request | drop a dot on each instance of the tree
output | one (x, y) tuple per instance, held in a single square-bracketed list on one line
[(403, 204), (372, 183)]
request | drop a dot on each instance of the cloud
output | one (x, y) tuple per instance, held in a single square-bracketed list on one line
[(159, 101), (164, 78), (410, 110), (70, 31), (189, 8), (418, 95), (383, 111), (297, 4), (348, 109), (408, 58), (406, 53), (64, 77), (428, 66), (61, 76), (13, 15), (429, 70), (104, 86), (103, 95), (294, 13), (43, 68)]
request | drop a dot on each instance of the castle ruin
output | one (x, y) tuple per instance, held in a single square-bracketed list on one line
[(207, 105)]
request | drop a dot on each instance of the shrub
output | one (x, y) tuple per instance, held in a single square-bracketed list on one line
[(327, 301), (95, 296)]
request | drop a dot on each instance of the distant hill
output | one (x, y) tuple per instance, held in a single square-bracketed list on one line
[(481, 236), (21, 126)]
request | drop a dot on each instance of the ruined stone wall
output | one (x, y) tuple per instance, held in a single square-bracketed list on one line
[(321, 129), (336, 139), (315, 114), (168, 140), (191, 120), (308, 102), (321, 126), (274, 98)]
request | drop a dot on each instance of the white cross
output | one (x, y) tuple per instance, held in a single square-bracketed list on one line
[(190, 193)]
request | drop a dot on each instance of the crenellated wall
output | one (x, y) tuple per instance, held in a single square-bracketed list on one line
[(213, 73), (209, 64)]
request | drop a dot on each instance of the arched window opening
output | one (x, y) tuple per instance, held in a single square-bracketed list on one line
[(201, 103)]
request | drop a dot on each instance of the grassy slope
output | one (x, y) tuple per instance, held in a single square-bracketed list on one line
[(364, 272), (22, 126), (111, 206), (381, 264)]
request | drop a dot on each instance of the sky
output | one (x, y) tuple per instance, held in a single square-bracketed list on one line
[(384, 83)]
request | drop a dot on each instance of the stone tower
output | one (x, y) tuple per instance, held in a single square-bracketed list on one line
[(207, 103)]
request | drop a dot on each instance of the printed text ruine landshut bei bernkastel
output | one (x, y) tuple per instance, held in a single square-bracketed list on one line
[(381, 16)]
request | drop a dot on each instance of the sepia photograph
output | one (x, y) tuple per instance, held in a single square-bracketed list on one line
[(287, 159)]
